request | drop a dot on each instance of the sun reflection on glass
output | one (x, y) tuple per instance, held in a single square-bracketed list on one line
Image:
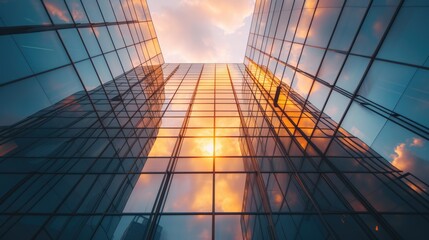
[(208, 148)]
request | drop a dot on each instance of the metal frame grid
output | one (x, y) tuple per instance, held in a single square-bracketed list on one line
[(210, 151)]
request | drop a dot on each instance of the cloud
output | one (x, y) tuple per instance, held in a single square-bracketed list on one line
[(405, 160), (77, 13), (182, 36), (202, 31), (302, 85), (225, 14), (56, 11), (417, 142)]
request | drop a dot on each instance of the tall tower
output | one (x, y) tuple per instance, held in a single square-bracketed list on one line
[(344, 78), (321, 133), (81, 86)]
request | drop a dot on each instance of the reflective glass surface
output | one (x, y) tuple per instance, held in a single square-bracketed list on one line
[(322, 132)]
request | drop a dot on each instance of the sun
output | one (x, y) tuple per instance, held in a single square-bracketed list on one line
[(208, 148)]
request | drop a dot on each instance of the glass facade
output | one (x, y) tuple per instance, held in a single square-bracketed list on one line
[(53, 49), (362, 63), (100, 139)]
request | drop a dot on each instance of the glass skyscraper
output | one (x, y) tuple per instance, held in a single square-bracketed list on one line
[(321, 133)]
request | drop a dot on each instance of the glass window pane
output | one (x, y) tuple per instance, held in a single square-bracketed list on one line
[(363, 123), (228, 227), (135, 59), (18, 96), (206, 122), (144, 27), (347, 27), (93, 11), (227, 146), (162, 147), (42, 45), (34, 15), (126, 34), (88, 36), (386, 82), (117, 8), (229, 191), (78, 13), (184, 227), (156, 164), (117, 36), (302, 84), (414, 102), (197, 147), (304, 24), (103, 37), (107, 11), (323, 24), (144, 193), (292, 24), (125, 59), (336, 106), (331, 66), (190, 193), (88, 75), (408, 37), (114, 64), (310, 60), (194, 164), (229, 164), (102, 69), (73, 44), (352, 73), (60, 83), (318, 95), (12, 63), (372, 30)]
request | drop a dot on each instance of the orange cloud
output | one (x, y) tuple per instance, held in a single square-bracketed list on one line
[(417, 142), (400, 159), (56, 11), (304, 24), (200, 196), (162, 147), (405, 160), (190, 193), (201, 146), (196, 193), (302, 85), (229, 192)]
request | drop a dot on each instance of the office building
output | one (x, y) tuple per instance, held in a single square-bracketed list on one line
[(100, 139)]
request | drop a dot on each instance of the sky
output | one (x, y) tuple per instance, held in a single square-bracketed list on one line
[(202, 31)]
